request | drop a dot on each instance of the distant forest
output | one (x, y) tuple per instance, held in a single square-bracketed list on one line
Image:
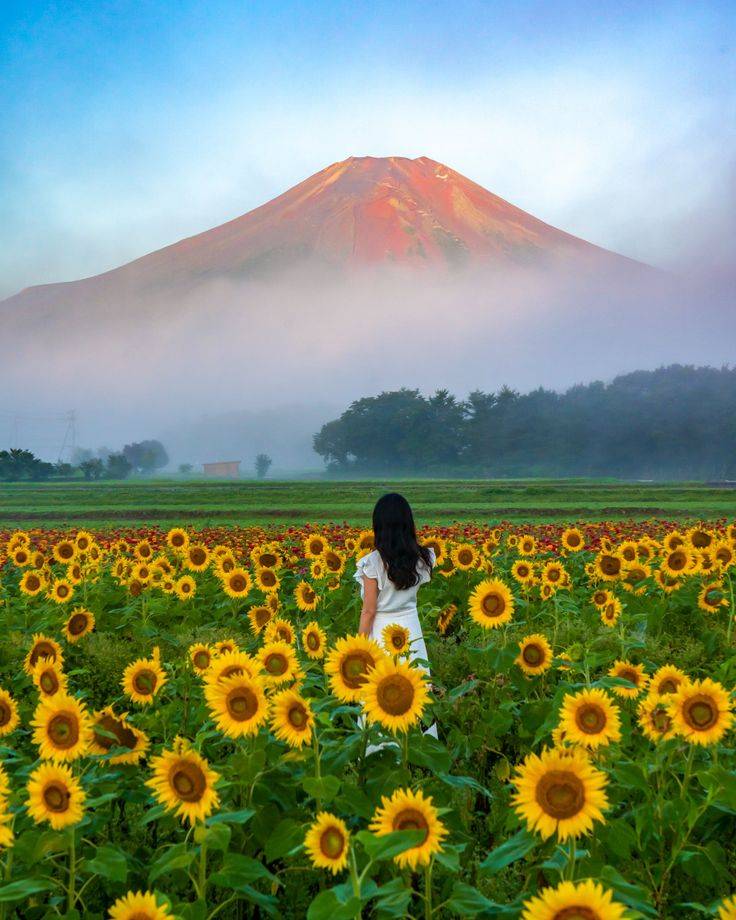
[(678, 422)]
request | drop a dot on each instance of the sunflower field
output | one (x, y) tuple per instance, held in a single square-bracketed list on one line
[(191, 727)]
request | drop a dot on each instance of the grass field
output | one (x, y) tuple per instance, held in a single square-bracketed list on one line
[(435, 501)]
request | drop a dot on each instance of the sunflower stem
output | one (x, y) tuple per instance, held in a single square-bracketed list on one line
[(428, 890), (317, 767), (355, 880), (202, 884), (572, 855), (72, 897), (405, 750)]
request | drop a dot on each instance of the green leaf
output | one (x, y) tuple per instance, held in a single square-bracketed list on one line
[(388, 845), (110, 862), (631, 775), (218, 837), (514, 848), (176, 857), (326, 906), (23, 888), (469, 902), (238, 871), (392, 899), (463, 782), (633, 896), (324, 789), (232, 817), (287, 836), (426, 751), (449, 856)]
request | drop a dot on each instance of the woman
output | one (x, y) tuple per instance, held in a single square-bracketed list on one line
[(392, 574)]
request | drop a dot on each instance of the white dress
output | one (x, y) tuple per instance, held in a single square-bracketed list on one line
[(395, 605)]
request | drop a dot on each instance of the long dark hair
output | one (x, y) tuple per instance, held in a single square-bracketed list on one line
[(396, 540)]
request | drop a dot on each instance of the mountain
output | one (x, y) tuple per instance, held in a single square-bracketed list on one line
[(361, 212)]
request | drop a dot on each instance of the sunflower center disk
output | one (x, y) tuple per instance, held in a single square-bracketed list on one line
[(77, 624), (4, 713), (395, 695), (576, 913), (122, 734), (560, 794), (49, 682), (533, 655), (276, 664), (332, 843), (312, 642), (590, 719), (42, 650), (297, 716), (144, 682), (411, 820), (667, 686), (56, 798), (242, 704), (188, 782), (237, 583), (63, 731), (493, 605), (202, 660), (700, 713), (354, 668)]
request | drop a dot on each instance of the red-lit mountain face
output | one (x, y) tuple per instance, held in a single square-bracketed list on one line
[(362, 212)]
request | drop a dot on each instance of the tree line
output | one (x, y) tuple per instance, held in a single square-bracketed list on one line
[(677, 422), (142, 457)]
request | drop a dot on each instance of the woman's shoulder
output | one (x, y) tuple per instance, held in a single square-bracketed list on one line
[(371, 565)]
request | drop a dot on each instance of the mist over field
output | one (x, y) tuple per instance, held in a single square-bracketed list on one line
[(228, 368)]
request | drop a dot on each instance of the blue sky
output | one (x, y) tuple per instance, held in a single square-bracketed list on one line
[(128, 125)]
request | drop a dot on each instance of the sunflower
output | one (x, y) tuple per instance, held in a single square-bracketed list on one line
[(143, 550), (49, 678), (314, 546), (259, 617), (267, 580), (231, 664), (725, 555), (142, 680), (348, 664), (573, 540), (560, 792), (196, 557), (634, 577), (569, 901), (438, 545), (523, 572), (627, 550), (139, 905), (608, 566), (55, 795), (712, 596), (237, 704), (317, 570), (111, 731), (237, 583), (278, 662), (633, 673), (444, 620), (61, 591), (32, 583), (9, 717), (527, 545), (535, 654), (177, 539), (727, 910), (21, 556), (491, 604), (185, 587), (699, 538), (279, 630), (667, 680), (141, 572), (701, 711), (677, 562), (62, 728), (410, 811), (673, 540), (74, 573), (223, 646), (183, 782), (667, 582), (42, 647), (464, 556), (81, 622), (611, 611), (6, 824), (328, 843), (366, 541), (266, 556), (590, 718), (292, 719), (655, 719), (395, 694), (306, 597), (553, 574), (396, 639), (65, 551), (314, 640), (200, 654)]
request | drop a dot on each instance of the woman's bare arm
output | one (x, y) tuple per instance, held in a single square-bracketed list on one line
[(370, 600)]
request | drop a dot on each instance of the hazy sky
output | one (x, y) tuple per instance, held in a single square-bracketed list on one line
[(128, 125)]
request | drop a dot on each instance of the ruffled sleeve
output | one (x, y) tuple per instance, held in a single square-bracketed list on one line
[(424, 573), (371, 565)]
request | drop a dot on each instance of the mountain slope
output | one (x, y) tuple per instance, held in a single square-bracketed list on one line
[(361, 212)]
